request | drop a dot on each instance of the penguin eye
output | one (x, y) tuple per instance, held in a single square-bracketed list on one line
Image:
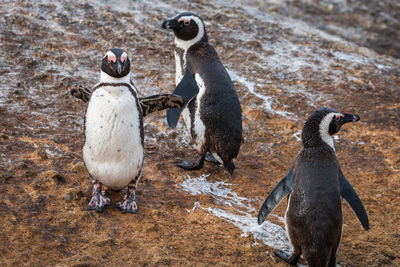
[(124, 57), (186, 21), (111, 59), (338, 117)]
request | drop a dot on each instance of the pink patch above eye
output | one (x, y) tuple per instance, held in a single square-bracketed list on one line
[(337, 117), (112, 58), (123, 59), (185, 20)]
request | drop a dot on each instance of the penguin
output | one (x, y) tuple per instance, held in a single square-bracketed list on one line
[(315, 185), (113, 150), (212, 112)]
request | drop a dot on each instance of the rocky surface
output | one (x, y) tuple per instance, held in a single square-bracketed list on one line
[(286, 59)]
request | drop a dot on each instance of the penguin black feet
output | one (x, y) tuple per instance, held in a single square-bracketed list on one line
[(292, 260), (210, 158), (128, 205), (332, 262), (230, 167), (190, 165), (99, 199), (195, 165)]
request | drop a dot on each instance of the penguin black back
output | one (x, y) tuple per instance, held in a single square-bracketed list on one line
[(213, 116)]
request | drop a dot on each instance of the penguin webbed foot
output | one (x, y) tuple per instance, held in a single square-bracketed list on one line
[(191, 166), (332, 262), (210, 158), (128, 204), (195, 165), (292, 259), (229, 167), (99, 199)]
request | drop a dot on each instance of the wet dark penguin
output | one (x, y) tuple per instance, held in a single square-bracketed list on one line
[(113, 149), (315, 185), (212, 115)]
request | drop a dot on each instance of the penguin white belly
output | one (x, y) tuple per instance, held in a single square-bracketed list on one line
[(113, 151), (286, 225), (198, 125), (217, 157), (186, 118), (178, 68), (179, 65)]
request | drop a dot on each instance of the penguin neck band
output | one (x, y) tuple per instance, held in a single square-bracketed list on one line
[(105, 78)]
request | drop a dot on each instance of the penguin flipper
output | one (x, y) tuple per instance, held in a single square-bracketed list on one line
[(81, 93), (160, 102), (349, 194), (283, 188), (187, 89)]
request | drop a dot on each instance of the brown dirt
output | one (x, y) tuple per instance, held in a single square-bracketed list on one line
[(44, 188)]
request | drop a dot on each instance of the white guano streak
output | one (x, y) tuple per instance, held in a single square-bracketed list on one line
[(239, 211)]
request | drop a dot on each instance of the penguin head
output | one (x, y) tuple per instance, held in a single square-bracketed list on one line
[(116, 63), (323, 124), (188, 28)]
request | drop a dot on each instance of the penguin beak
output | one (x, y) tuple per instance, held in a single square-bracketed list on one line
[(119, 67), (170, 24), (350, 118)]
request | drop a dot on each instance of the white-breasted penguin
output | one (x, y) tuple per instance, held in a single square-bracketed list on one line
[(212, 113), (113, 150), (315, 185)]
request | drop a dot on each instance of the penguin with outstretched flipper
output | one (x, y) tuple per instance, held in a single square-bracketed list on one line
[(316, 185)]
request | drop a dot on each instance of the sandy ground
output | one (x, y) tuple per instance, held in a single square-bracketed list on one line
[(286, 59)]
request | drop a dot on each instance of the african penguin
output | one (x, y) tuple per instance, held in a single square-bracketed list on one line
[(212, 111), (113, 149), (315, 185)]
